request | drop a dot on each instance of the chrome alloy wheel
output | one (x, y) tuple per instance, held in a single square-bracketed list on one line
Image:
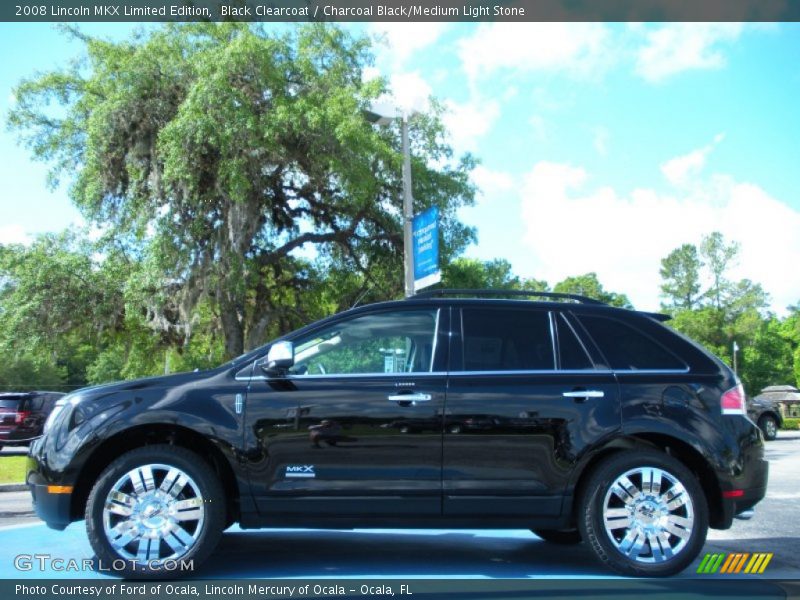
[(648, 515), (153, 513), (771, 428)]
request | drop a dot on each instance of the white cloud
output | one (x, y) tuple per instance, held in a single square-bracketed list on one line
[(678, 47), (467, 123), (600, 140), (681, 169), (409, 92), (578, 48), (574, 228), (491, 183), (402, 40), (13, 234), (539, 127)]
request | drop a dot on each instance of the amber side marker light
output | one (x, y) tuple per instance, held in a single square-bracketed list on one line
[(59, 489)]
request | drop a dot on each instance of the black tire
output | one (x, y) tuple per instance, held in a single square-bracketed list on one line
[(559, 536), (207, 531), (769, 427), (650, 511)]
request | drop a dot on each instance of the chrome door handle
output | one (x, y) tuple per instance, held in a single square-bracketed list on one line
[(416, 397), (584, 394)]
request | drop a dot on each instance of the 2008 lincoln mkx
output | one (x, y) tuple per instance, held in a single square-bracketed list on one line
[(579, 421)]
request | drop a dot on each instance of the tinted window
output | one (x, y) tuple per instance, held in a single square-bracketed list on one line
[(628, 348), (390, 342), (9, 403), (506, 340), (37, 403), (572, 353)]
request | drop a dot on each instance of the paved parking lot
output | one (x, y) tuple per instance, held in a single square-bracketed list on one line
[(429, 553)]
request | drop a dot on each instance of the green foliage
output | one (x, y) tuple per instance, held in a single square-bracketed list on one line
[(215, 152), (729, 312), (494, 274), (30, 372), (680, 272), (791, 424), (588, 285)]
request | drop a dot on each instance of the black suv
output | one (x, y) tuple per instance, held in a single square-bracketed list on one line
[(573, 419), (22, 415)]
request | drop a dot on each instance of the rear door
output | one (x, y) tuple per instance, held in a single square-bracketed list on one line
[(524, 401), (355, 428)]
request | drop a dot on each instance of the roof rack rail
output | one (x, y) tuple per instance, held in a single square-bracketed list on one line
[(477, 292)]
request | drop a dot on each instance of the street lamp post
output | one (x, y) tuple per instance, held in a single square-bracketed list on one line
[(408, 212), (382, 114)]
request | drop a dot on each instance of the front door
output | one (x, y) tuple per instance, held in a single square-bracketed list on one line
[(355, 426)]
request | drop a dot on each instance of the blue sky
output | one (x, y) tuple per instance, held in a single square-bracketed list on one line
[(602, 146)]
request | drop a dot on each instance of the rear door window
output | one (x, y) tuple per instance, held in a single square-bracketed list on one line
[(571, 351), (627, 348), (506, 340)]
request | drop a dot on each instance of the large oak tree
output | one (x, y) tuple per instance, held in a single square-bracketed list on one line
[(216, 153)]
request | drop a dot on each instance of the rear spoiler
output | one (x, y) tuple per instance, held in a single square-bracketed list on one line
[(657, 316)]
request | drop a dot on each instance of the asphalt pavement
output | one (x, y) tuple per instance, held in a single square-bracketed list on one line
[(431, 553)]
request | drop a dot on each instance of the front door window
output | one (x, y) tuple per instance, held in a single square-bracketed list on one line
[(388, 342)]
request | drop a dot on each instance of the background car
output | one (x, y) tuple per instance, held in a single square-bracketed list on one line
[(764, 409), (22, 415)]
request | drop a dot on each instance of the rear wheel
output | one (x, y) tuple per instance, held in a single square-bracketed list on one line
[(153, 508), (644, 514), (769, 426), (559, 536)]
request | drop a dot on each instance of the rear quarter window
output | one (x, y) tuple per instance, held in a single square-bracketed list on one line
[(627, 348)]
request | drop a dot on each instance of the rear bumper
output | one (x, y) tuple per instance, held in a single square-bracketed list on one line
[(17, 438), (737, 500)]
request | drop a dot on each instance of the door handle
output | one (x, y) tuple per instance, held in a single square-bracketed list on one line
[(584, 394), (415, 397)]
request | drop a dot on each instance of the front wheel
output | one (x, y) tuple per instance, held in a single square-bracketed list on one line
[(769, 426), (644, 514), (154, 510)]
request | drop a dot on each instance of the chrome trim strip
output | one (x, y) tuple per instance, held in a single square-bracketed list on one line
[(556, 357), (435, 338), (475, 373)]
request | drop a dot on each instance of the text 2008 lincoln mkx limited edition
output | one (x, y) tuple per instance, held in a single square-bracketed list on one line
[(454, 408)]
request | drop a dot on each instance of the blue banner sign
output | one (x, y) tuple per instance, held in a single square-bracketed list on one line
[(425, 231)]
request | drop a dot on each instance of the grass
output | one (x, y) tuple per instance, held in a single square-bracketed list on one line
[(793, 423), (12, 469)]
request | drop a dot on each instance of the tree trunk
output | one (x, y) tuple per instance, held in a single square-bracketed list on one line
[(232, 327)]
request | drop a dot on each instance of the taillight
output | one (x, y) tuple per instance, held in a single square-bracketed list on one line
[(733, 401), (21, 416)]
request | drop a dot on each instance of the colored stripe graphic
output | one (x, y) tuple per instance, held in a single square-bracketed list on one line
[(735, 562)]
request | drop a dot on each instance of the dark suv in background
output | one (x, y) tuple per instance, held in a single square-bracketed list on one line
[(22, 415), (579, 421)]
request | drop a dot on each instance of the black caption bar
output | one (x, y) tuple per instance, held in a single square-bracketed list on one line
[(409, 589), (399, 10)]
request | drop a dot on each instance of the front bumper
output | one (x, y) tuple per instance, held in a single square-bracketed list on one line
[(52, 508), (52, 503)]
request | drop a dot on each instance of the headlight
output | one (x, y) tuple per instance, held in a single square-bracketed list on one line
[(62, 409)]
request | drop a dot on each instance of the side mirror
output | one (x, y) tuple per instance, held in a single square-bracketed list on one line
[(279, 358)]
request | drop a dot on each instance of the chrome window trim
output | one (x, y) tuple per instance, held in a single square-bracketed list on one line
[(402, 375), (575, 372), (480, 373)]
